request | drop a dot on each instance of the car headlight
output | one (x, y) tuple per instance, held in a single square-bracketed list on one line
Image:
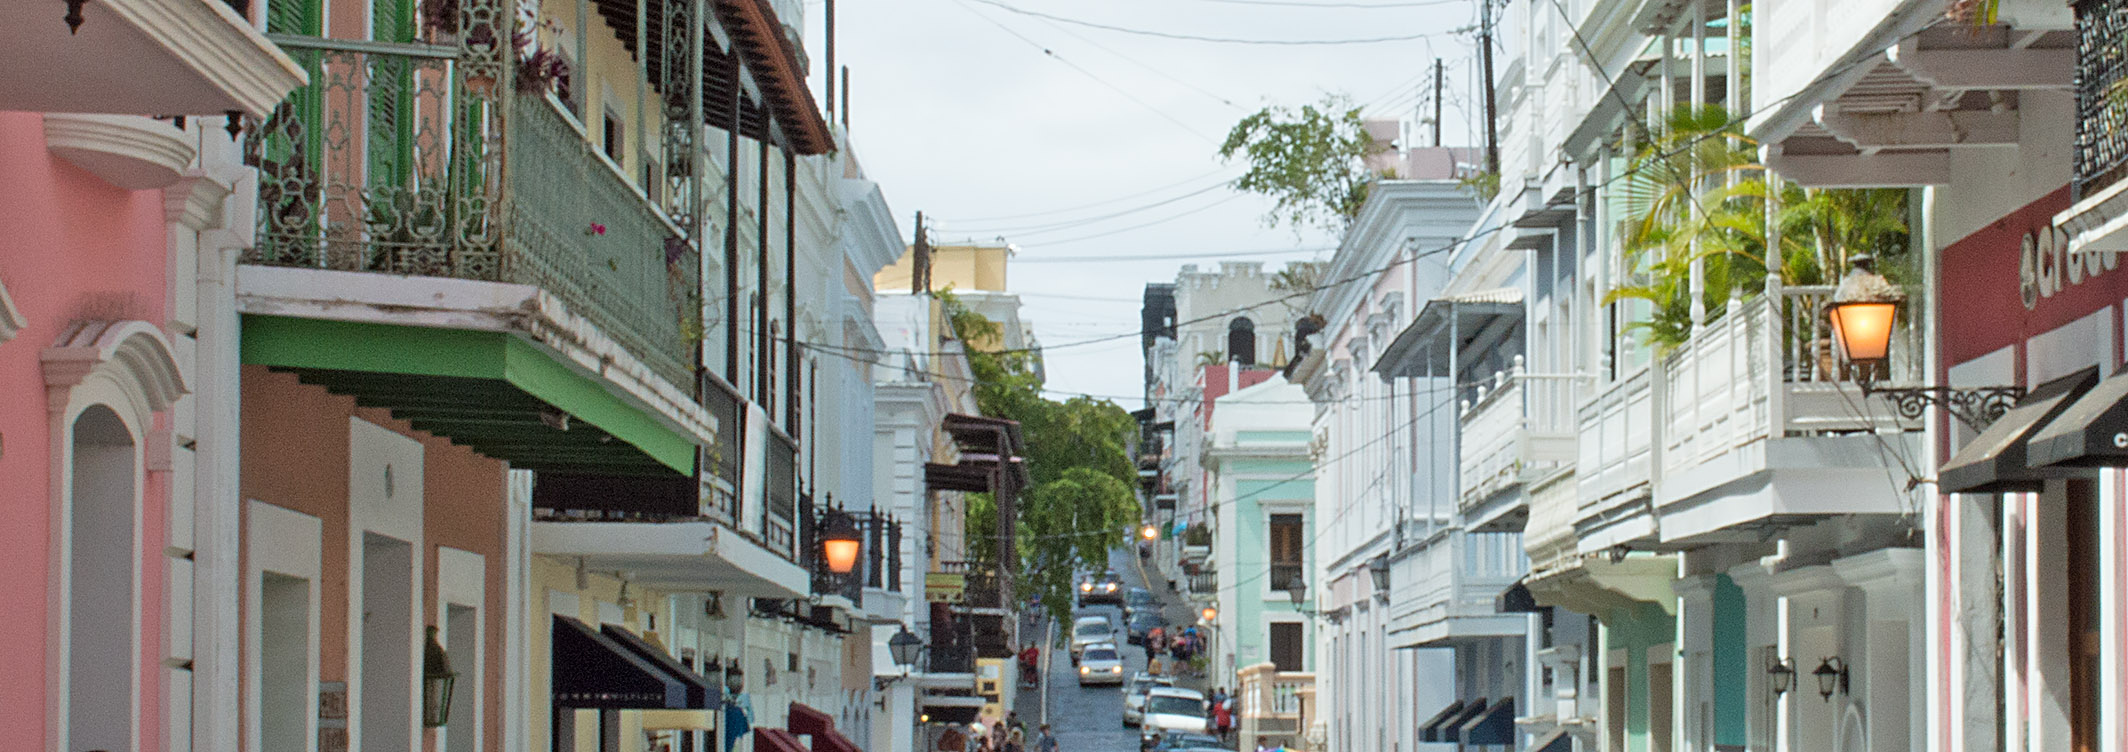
[(1111, 587), (1086, 586), (1115, 669)]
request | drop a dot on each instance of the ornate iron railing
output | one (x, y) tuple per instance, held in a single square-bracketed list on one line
[(383, 162), (392, 160), (2101, 94)]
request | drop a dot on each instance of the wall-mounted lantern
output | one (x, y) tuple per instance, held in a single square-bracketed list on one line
[(1781, 674), (437, 680), (1832, 677), (840, 541)]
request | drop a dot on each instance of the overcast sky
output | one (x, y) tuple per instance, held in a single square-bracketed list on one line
[(1062, 137)]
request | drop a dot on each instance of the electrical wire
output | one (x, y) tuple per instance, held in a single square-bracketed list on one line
[(1080, 222), (1198, 38), (1169, 257), (1103, 202), (1075, 66)]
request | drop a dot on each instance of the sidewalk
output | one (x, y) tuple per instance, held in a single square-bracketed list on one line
[(1179, 613)]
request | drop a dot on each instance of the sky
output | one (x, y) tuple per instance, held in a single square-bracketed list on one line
[(1094, 151)]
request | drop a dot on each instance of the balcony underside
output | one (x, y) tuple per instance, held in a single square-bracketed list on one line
[(1453, 630), (141, 57), (1750, 493), (694, 556), (488, 390)]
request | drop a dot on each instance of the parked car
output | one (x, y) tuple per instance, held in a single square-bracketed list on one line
[(1187, 742), (1141, 624), (1134, 692), (1172, 709), (1089, 630), (1139, 599), (1101, 663), (1104, 588)]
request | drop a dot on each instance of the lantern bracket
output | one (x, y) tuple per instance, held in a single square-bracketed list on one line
[(1976, 407)]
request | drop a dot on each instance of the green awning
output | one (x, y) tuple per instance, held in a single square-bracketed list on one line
[(492, 391)]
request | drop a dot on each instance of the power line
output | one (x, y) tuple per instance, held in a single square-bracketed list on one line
[(1197, 38), (1080, 222), (1172, 256), (1118, 231), (1075, 66), (1104, 202), (1362, 6)]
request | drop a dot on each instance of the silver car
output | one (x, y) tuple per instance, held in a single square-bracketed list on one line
[(1101, 663), (1134, 691), (1088, 630)]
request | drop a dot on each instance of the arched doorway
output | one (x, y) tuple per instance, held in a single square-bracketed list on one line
[(1241, 341), (101, 595)]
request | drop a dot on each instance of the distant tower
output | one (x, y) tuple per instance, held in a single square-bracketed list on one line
[(1241, 341)]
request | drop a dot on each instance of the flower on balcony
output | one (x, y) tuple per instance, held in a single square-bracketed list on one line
[(595, 229)]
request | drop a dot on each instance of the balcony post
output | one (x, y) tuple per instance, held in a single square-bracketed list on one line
[(1778, 377)]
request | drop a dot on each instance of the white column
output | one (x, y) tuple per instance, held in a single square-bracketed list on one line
[(1888, 676), (1695, 671), (1814, 634), (198, 204)]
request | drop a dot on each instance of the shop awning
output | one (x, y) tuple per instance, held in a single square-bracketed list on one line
[(1452, 729), (1494, 726), (776, 740), (702, 694), (808, 721), (1994, 461), (2093, 432), (1430, 731), (593, 671), (1557, 741)]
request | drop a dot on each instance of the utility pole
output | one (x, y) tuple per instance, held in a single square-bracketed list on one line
[(1437, 101), (831, 59), (1485, 53), (919, 260)]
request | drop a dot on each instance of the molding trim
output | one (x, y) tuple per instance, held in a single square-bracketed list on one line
[(195, 201), (12, 322), (129, 151), (133, 355)]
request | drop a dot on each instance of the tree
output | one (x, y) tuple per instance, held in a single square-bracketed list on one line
[(1078, 503), (1310, 160), (1697, 194)]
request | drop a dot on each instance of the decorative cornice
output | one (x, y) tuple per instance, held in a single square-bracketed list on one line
[(133, 354), (195, 201), (129, 151)]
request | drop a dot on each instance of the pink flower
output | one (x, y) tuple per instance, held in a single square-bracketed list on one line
[(596, 229)]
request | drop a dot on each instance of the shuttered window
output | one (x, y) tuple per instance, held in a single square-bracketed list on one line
[(1287, 650)]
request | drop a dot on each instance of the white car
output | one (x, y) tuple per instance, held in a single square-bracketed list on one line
[(1134, 691), (1101, 663), (1172, 709), (1088, 630)]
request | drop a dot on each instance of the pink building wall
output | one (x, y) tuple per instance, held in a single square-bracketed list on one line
[(77, 248)]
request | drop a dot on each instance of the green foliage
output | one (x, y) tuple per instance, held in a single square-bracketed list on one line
[(1484, 185), (1308, 160), (1079, 502), (1696, 193)]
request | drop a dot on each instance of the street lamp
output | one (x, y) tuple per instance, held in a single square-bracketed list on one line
[(1297, 588), (1149, 532), (1210, 614), (1782, 672), (1862, 330), (839, 541), (1832, 677), (437, 680), (905, 646), (1378, 568)]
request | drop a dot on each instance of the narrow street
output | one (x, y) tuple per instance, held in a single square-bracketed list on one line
[(1090, 719)]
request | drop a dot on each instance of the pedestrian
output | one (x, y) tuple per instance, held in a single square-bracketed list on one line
[(1017, 742), (1222, 718), (1048, 741), (1226, 705)]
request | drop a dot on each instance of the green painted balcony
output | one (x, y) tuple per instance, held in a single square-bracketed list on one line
[(419, 159)]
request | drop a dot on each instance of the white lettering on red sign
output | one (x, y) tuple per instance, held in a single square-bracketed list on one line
[(2045, 267)]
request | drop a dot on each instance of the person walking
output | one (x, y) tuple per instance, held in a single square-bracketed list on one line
[(1222, 716), (1047, 742)]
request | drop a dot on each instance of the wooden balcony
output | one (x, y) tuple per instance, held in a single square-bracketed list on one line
[(1443, 592)]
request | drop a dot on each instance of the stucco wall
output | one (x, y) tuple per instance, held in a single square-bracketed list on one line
[(77, 248), (296, 455)]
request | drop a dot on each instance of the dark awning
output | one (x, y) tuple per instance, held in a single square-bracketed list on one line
[(772, 739), (1451, 730), (1557, 741), (1430, 731), (2093, 432), (808, 721), (1994, 461), (952, 708), (702, 694), (1494, 726), (593, 671)]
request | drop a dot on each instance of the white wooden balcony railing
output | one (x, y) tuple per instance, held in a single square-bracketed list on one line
[(1706, 413), (1445, 590), (1519, 425)]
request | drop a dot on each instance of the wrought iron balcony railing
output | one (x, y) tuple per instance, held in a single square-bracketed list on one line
[(417, 159), (2101, 94)]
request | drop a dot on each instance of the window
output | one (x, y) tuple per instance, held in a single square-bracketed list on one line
[(1285, 551), (1287, 650), (2082, 524), (615, 137)]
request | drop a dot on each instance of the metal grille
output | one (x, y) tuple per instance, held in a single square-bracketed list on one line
[(2101, 95)]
